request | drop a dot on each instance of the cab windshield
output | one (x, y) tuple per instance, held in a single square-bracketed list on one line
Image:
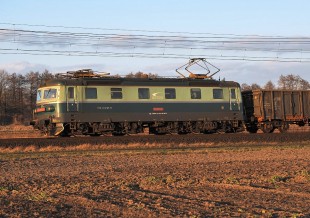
[(50, 93), (39, 95)]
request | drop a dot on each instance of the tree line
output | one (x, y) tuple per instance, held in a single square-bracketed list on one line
[(18, 95), (288, 82), (18, 91)]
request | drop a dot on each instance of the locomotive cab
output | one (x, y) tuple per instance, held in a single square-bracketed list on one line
[(46, 114)]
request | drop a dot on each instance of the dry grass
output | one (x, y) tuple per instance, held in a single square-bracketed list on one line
[(89, 147), (151, 147), (18, 131), (16, 128)]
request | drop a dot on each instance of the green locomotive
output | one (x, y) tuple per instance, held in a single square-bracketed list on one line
[(94, 105), (85, 103)]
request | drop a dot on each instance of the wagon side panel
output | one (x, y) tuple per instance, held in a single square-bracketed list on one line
[(306, 103)]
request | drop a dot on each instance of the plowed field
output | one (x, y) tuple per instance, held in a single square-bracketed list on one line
[(246, 181)]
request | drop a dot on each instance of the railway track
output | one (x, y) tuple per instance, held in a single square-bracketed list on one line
[(223, 139)]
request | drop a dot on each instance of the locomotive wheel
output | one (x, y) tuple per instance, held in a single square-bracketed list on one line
[(221, 131), (284, 127), (268, 128), (252, 129), (49, 130), (182, 132), (301, 123)]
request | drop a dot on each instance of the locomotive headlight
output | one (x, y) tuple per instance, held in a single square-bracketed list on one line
[(50, 108)]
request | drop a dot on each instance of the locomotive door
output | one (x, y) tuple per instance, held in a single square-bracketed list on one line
[(233, 100), (72, 103)]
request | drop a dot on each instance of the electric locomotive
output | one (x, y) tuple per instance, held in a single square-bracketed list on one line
[(85, 103)]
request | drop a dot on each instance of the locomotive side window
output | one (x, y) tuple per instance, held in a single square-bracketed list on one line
[(39, 95), (116, 93), (217, 93), (91, 93), (170, 93), (50, 93), (71, 92), (195, 93), (233, 93), (144, 93)]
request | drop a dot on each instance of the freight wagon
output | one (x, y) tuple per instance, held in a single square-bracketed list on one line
[(275, 109)]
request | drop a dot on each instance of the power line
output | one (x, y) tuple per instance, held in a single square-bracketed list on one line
[(220, 39), (250, 48), (146, 55), (138, 30)]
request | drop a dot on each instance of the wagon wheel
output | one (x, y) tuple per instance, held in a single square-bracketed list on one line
[(267, 128), (284, 127)]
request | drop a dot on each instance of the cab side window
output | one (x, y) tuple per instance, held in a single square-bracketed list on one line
[(218, 94), (116, 93), (144, 93), (195, 93), (170, 93), (91, 93)]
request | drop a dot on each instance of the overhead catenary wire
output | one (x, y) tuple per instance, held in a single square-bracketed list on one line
[(134, 30), (145, 55), (214, 46)]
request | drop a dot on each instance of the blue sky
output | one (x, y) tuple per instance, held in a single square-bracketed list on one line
[(266, 18)]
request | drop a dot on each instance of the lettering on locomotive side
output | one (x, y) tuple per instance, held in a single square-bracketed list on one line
[(104, 108)]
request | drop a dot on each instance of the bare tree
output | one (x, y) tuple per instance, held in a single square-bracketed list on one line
[(15, 95), (3, 92), (33, 82), (45, 76), (269, 85), (245, 87), (18, 94), (22, 100), (141, 75), (255, 86), (304, 84), (293, 82)]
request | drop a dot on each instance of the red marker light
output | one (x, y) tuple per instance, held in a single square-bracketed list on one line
[(158, 109), (41, 109)]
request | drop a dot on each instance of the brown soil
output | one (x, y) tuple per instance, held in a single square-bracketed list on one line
[(217, 182)]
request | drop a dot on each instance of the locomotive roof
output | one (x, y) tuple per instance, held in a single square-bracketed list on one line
[(113, 81)]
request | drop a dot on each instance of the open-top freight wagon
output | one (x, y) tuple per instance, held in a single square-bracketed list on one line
[(275, 109)]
